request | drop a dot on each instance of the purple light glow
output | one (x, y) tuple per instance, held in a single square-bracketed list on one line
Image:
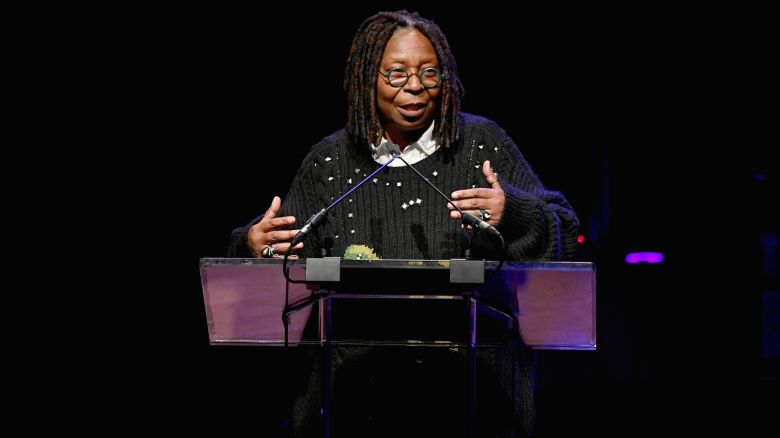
[(644, 257)]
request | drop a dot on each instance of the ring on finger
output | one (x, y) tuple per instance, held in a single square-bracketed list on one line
[(268, 251), (484, 214)]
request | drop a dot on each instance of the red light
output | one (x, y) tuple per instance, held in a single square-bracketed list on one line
[(580, 238)]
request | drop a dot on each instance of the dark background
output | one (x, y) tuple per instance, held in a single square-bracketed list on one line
[(639, 116)]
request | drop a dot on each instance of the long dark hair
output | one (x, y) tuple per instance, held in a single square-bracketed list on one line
[(368, 46)]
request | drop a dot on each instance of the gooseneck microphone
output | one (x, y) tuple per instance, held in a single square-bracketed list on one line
[(466, 217), (315, 220), (320, 216)]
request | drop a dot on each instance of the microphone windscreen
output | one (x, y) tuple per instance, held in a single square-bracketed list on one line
[(393, 148)]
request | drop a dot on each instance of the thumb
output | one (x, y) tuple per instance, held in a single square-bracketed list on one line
[(490, 177), (273, 210)]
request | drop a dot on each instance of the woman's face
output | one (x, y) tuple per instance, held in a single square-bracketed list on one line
[(411, 107)]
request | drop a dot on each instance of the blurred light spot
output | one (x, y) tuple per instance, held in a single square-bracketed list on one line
[(580, 238), (645, 257), (760, 177)]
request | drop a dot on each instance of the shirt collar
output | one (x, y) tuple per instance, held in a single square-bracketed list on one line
[(424, 147)]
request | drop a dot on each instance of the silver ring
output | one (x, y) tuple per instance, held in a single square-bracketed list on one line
[(268, 251), (484, 214)]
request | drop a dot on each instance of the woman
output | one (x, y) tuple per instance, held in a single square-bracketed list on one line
[(403, 89)]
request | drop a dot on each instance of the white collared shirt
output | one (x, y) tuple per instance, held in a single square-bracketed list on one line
[(414, 153)]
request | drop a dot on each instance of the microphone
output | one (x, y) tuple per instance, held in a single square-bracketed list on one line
[(320, 216), (316, 220), (313, 222), (466, 217)]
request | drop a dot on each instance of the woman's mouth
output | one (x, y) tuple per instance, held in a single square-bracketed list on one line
[(412, 109)]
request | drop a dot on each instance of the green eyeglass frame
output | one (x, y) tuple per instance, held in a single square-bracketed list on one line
[(397, 77)]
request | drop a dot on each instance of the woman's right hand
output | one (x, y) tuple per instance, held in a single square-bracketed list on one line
[(267, 232)]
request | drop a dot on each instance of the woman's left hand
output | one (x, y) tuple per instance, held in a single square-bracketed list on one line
[(484, 203)]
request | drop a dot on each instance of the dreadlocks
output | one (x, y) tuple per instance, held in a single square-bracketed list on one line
[(368, 46)]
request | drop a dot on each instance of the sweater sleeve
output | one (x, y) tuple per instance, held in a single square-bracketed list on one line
[(239, 243), (537, 224)]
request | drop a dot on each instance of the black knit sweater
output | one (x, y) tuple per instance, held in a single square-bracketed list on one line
[(537, 224)]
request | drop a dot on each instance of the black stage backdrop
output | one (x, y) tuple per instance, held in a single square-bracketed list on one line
[(625, 111)]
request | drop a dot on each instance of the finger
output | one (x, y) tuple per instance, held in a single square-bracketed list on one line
[(280, 221), (281, 235), (470, 203), (281, 248), (457, 215), (273, 210), (479, 192), (465, 203), (490, 176)]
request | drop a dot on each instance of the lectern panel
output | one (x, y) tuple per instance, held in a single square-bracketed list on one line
[(400, 301)]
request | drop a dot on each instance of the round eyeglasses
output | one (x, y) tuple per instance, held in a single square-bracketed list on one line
[(398, 77)]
